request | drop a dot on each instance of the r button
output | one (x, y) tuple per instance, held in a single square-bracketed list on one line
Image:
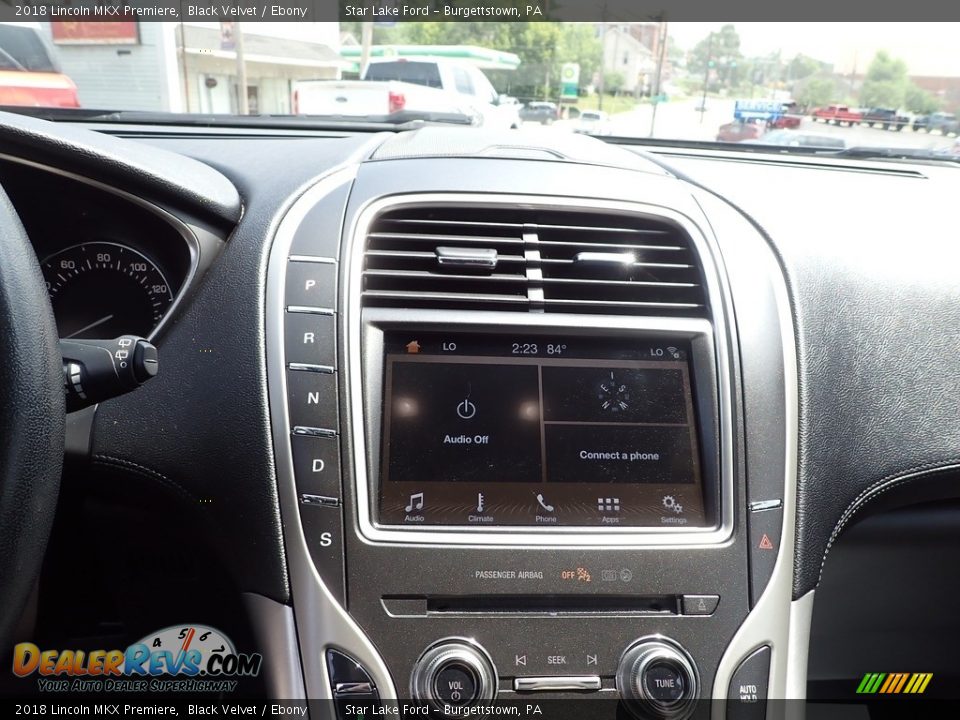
[(310, 339)]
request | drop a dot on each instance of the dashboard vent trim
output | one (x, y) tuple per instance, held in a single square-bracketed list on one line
[(533, 260)]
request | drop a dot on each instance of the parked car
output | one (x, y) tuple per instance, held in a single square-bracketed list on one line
[(739, 131), (886, 118), (786, 122), (29, 73), (593, 122), (946, 123), (389, 87), (791, 138), (542, 112), (838, 114)]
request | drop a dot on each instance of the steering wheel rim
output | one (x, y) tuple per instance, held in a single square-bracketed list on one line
[(31, 418)]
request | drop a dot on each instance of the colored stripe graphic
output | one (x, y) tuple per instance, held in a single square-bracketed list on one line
[(894, 683), (891, 679), (903, 681)]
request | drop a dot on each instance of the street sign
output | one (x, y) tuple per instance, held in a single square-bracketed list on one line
[(569, 80), (768, 110), (227, 40)]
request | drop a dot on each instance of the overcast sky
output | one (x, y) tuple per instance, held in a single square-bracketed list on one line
[(927, 48)]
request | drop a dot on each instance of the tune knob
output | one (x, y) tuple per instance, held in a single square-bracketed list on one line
[(657, 679), (454, 672)]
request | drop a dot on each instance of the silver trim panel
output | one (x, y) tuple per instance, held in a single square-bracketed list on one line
[(762, 505), (556, 683), (772, 621), (312, 259), (353, 318), (276, 635), (321, 621), (313, 431), (310, 367), (310, 310)]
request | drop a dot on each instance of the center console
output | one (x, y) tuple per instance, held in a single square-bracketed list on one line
[(524, 450)]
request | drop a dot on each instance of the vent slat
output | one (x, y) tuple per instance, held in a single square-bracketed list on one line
[(622, 303), (618, 246), (547, 260), (619, 283), (443, 277), (445, 297), (446, 238)]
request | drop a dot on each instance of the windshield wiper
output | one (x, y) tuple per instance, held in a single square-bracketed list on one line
[(403, 120)]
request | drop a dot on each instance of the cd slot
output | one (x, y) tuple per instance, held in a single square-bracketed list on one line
[(531, 605)]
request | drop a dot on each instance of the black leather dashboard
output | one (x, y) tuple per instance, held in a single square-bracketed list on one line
[(867, 251), (869, 256)]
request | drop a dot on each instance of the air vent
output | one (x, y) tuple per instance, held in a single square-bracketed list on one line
[(532, 260)]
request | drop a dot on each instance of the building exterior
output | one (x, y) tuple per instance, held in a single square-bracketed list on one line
[(191, 67), (628, 57)]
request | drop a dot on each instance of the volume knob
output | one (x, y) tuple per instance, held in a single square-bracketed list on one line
[(454, 672), (658, 679)]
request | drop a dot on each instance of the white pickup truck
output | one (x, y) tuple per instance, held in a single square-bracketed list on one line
[(392, 87)]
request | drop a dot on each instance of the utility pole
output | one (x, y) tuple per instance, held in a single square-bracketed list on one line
[(853, 73), (183, 67), (243, 103), (603, 61), (706, 77), (366, 41), (662, 47)]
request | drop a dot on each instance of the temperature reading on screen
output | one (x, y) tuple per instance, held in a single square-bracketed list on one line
[(555, 349)]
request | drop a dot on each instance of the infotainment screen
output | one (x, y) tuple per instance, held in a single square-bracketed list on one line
[(499, 430)]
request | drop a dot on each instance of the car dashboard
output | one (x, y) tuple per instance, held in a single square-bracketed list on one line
[(468, 416)]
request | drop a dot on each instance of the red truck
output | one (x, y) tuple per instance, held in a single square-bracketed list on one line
[(29, 73), (838, 114)]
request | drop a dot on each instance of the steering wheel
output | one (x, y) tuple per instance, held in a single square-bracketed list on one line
[(31, 418)]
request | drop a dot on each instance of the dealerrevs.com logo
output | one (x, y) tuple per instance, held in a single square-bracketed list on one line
[(180, 658)]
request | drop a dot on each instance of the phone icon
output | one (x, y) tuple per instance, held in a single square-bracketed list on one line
[(548, 508)]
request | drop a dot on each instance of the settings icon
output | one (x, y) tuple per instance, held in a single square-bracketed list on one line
[(670, 503)]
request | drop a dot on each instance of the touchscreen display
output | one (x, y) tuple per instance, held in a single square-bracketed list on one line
[(498, 430)]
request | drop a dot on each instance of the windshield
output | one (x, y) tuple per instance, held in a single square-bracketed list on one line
[(792, 85)]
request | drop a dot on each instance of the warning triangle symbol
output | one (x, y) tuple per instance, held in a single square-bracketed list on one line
[(765, 543)]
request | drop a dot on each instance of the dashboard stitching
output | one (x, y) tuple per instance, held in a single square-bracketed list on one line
[(879, 488), (144, 471)]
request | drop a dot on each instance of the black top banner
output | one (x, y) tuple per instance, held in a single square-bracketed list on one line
[(398, 11)]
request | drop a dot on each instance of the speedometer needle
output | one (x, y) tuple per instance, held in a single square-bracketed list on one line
[(92, 325)]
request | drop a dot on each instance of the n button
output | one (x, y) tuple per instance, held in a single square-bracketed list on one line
[(312, 399)]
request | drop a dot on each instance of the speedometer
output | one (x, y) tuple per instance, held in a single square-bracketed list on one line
[(104, 289)]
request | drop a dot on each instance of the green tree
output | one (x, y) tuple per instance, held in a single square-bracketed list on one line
[(580, 44), (815, 91), (803, 66), (613, 82), (918, 100), (721, 51), (886, 82)]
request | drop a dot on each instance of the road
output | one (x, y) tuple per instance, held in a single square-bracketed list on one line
[(681, 120)]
